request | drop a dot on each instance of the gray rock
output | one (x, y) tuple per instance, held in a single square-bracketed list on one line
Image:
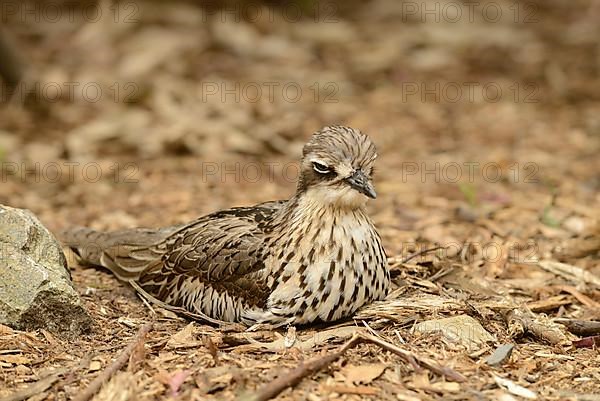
[(35, 284)]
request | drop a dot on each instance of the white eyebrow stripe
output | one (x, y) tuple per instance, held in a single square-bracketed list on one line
[(319, 161)]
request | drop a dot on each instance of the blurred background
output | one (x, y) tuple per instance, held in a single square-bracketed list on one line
[(148, 113)]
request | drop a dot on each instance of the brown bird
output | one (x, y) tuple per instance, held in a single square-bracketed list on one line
[(316, 256)]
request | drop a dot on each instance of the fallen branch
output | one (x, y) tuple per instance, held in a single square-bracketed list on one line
[(520, 321), (582, 328), (118, 363), (294, 376)]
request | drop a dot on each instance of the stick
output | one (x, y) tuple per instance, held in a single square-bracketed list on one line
[(582, 328), (420, 253), (118, 363), (294, 376), (570, 272), (410, 357), (395, 259), (521, 321), (584, 299)]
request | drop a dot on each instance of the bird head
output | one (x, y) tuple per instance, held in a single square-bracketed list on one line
[(337, 166)]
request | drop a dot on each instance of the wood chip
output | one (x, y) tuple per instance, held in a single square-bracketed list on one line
[(572, 273), (35, 388), (514, 388), (548, 304), (584, 299), (588, 342), (15, 359), (95, 366), (500, 355)]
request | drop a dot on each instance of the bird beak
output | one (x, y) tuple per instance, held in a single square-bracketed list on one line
[(361, 183)]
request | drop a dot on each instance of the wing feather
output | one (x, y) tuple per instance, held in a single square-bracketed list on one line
[(222, 252)]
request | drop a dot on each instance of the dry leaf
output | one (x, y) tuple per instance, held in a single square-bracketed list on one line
[(364, 374), (183, 338), (445, 387), (461, 329), (127, 322), (406, 396), (359, 390), (213, 379), (572, 273), (123, 386)]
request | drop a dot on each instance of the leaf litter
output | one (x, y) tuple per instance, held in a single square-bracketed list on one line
[(516, 257)]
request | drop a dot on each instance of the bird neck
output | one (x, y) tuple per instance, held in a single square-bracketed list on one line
[(305, 212)]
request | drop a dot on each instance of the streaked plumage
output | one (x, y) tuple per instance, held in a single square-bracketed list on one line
[(316, 256)]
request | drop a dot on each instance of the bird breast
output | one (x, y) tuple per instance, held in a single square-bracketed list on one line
[(327, 265)]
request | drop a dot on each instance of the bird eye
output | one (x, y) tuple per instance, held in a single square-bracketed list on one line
[(321, 168)]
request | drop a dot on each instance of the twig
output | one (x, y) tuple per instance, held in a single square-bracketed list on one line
[(584, 299), (115, 366), (294, 376), (521, 321), (414, 255), (572, 273), (421, 253), (411, 358), (582, 328), (36, 388)]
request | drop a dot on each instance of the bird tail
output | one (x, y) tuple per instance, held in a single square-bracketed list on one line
[(126, 253)]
